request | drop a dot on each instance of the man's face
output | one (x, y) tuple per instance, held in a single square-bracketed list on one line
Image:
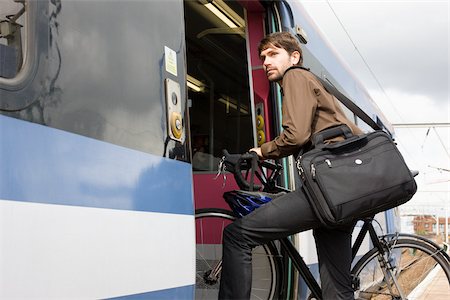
[(276, 61)]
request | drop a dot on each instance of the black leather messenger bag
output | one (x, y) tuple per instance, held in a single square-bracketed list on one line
[(357, 177)]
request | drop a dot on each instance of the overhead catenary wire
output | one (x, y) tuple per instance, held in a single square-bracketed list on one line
[(429, 126), (372, 73), (442, 143), (424, 140), (364, 61)]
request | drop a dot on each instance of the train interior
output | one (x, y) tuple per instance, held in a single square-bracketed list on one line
[(220, 87)]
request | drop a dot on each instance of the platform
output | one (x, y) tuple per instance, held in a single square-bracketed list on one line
[(436, 287)]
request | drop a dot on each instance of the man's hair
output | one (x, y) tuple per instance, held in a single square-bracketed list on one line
[(283, 40)]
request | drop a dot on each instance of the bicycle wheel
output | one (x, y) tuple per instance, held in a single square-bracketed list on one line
[(209, 226), (414, 262)]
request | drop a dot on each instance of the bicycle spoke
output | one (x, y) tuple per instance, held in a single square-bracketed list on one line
[(210, 226), (397, 275)]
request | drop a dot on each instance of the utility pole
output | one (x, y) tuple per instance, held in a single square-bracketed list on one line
[(446, 223)]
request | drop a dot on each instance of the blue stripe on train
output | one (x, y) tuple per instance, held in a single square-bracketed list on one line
[(184, 292), (47, 165)]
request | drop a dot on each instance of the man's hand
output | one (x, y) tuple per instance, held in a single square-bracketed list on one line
[(257, 151)]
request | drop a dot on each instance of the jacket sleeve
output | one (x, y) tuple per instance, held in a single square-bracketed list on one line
[(298, 112)]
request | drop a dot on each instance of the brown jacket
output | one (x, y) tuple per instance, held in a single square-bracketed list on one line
[(307, 109)]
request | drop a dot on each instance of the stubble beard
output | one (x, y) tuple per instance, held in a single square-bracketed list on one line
[(274, 77)]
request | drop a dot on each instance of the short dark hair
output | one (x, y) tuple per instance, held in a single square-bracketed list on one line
[(283, 40)]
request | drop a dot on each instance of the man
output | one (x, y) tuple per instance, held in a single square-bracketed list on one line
[(307, 109)]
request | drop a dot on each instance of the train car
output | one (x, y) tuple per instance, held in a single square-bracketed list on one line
[(113, 117), (96, 196)]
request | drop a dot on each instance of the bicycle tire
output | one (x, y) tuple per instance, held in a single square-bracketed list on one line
[(266, 266), (413, 260), (431, 243)]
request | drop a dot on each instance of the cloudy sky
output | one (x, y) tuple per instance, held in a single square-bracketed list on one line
[(400, 51)]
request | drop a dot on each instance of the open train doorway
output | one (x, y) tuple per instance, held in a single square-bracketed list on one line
[(224, 83), (219, 97), (223, 79)]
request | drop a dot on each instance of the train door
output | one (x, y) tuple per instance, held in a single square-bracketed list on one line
[(220, 87), (225, 80)]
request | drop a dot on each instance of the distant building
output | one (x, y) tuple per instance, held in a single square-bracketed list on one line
[(430, 225)]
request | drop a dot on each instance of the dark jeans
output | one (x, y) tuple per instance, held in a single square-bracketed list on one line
[(280, 218)]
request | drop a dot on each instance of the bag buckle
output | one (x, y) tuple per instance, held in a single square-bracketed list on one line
[(300, 169)]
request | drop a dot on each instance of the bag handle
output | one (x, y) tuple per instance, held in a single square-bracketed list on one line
[(329, 133)]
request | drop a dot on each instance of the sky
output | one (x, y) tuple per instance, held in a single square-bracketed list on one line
[(400, 51)]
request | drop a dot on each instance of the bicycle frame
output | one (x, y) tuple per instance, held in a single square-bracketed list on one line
[(303, 269)]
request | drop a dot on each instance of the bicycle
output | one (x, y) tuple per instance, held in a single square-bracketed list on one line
[(393, 269)]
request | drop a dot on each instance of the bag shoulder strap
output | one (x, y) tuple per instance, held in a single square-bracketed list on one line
[(343, 99)]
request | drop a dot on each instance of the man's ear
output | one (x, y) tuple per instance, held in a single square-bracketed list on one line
[(295, 57)]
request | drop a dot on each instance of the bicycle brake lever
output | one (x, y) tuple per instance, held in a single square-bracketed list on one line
[(221, 170)]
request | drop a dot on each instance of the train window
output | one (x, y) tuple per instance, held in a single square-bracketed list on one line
[(13, 28), (217, 80)]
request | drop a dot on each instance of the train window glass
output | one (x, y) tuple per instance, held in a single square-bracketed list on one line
[(217, 80), (13, 27)]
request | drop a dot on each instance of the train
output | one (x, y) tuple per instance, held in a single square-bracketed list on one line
[(113, 116)]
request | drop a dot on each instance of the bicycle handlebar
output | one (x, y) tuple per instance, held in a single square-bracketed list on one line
[(237, 163)]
